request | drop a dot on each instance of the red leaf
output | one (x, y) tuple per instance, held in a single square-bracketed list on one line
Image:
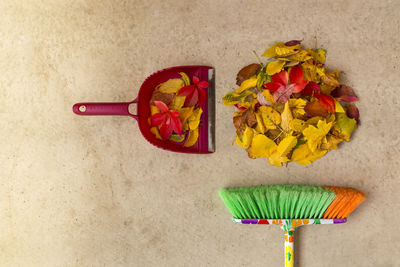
[(195, 79), (344, 93), (352, 112), (326, 101), (310, 88), (176, 125), (202, 97), (298, 87), (174, 113), (186, 90), (192, 99), (157, 119), (161, 106), (166, 129), (239, 108), (280, 77), (314, 109), (283, 93), (296, 75), (203, 84), (272, 86), (293, 42)]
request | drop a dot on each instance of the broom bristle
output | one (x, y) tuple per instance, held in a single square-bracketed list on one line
[(290, 202)]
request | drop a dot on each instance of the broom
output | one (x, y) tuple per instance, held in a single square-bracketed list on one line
[(291, 206)]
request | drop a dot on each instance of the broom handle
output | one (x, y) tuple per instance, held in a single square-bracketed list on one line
[(289, 248)]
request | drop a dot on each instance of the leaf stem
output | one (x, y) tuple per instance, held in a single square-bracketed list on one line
[(258, 59)]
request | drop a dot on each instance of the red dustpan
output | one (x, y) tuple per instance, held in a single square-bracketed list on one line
[(206, 141)]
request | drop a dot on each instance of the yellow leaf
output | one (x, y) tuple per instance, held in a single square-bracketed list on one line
[(312, 72), (247, 137), (315, 136), (247, 84), (279, 156), (185, 78), (192, 138), (298, 125), (270, 52), (260, 125), (154, 110), (297, 105), (330, 79), (286, 117), (177, 102), (304, 156), (156, 132), (331, 142), (275, 67), (268, 96), (171, 86), (194, 119), (233, 98), (280, 49), (286, 145), (262, 146), (177, 138), (318, 55), (338, 107), (301, 56), (270, 117), (314, 120)]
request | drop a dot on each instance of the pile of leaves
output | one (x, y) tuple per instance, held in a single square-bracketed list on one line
[(291, 108), (176, 109)]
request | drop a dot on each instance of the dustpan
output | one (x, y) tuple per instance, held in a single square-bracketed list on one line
[(206, 140)]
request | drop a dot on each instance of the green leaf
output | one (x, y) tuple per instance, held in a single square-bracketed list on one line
[(345, 125)]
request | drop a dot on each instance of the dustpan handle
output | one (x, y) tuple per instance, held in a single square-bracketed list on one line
[(91, 109), (289, 248)]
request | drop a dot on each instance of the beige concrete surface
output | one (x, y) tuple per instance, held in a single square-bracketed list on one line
[(90, 191)]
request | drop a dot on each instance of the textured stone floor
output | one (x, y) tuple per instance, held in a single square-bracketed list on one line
[(90, 191)]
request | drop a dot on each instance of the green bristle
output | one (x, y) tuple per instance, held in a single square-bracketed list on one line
[(277, 201)]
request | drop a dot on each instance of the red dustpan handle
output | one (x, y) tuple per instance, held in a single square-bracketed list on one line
[(90, 109)]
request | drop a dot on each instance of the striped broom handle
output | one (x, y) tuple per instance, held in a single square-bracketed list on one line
[(289, 248)]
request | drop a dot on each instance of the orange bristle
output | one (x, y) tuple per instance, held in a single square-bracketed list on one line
[(347, 199)]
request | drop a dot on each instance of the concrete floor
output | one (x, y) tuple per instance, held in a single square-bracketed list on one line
[(90, 191)]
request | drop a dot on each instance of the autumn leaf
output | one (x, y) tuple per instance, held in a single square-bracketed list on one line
[(326, 101), (298, 125), (304, 156), (171, 86), (185, 78), (270, 117), (192, 138), (344, 93), (247, 72), (247, 84), (194, 119), (345, 126), (331, 142), (177, 138), (352, 112), (315, 109), (275, 67), (286, 118), (338, 107), (280, 49), (312, 72), (311, 88), (233, 98), (262, 146), (297, 106), (246, 140), (330, 79), (177, 102), (318, 55), (156, 132), (316, 135), (260, 128), (154, 109), (293, 42), (280, 155)]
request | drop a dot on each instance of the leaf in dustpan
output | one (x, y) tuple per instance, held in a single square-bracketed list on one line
[(171, 86), (185, 78), (194, 119), (168, 120), (177, 138), (195, 93), (192, 138)]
